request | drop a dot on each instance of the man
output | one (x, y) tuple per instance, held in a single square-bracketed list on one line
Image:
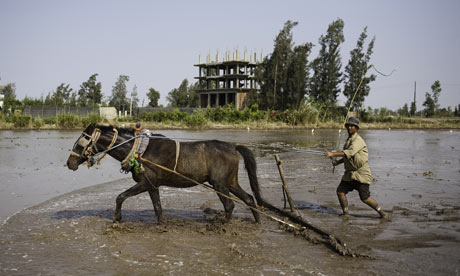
[(357, 174)]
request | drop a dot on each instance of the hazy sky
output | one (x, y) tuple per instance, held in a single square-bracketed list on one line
[(156, 43)]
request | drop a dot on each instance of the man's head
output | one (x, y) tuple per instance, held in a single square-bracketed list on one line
[(138, 126), (352, 125)]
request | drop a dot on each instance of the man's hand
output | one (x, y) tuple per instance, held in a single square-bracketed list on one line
[(329, 154), (335, 162)]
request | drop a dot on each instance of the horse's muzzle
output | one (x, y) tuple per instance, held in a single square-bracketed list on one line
[(72, 163)]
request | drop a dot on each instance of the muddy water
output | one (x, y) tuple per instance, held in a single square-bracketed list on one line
[(417, 180)]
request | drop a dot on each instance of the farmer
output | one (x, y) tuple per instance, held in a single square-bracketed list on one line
[(357, 174)]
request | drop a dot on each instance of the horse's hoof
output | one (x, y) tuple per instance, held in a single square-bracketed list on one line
[(115, 225)]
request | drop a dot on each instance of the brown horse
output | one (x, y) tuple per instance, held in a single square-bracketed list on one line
[(211, 161)]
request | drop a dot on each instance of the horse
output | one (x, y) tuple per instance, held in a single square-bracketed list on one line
[(212, 161)]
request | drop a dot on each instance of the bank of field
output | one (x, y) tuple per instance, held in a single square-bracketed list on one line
[(228, 118)]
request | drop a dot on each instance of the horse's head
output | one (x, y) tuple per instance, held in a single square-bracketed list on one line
[(83, 148)]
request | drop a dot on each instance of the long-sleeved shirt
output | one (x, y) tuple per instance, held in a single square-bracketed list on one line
[(356, 160)]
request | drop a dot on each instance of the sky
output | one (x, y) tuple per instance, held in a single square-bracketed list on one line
[(156, 43)]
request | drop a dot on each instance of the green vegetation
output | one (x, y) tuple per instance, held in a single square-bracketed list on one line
[(306, 116), (64, 121)]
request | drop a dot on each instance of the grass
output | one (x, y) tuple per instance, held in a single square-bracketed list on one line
[(207, 121)]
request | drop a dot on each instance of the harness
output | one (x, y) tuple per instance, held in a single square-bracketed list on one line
[(91, 151), (89, 144)]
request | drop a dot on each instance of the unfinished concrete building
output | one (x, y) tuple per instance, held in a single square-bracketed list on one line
[(228, 81)]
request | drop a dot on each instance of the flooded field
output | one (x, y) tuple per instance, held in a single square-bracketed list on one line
[(66, 228)]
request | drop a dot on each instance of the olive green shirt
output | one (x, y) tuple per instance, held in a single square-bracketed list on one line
[(356, 160)]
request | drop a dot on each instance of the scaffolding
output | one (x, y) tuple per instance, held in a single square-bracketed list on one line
[(228, 81)]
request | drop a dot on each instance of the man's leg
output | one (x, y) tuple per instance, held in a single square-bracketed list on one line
[(374, 205), (343, 202)]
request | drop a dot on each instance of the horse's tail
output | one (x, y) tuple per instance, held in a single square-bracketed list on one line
[(251, 168)]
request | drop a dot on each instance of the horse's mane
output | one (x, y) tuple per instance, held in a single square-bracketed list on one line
[(122, 131)]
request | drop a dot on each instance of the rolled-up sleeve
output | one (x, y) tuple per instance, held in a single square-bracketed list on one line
[(356, 146)]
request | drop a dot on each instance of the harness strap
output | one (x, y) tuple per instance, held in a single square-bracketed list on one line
[(114, 139), (137, 141)]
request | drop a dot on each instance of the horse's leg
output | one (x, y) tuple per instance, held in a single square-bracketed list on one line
[(134, 190), (248, 199), (155, 197), (223, 194)]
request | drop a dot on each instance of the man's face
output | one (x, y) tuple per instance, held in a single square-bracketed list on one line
[(351, 129)]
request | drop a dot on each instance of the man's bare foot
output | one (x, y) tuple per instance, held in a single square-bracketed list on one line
[(383, 214), (345, 215)]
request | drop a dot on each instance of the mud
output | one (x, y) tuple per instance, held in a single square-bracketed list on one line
[(73, 234)]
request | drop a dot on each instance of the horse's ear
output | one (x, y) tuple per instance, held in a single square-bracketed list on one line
[(90, 127)]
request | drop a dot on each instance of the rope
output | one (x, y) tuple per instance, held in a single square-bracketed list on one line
[(131, 152), (222, 194), (114, 139), (329, 239)]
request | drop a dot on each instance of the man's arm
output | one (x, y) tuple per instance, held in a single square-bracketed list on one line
[(335, 154)]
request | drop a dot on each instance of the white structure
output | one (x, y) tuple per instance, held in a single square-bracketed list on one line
[(110, 113), (1, 101)]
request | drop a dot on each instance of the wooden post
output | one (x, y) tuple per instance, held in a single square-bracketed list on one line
[(285, 186)]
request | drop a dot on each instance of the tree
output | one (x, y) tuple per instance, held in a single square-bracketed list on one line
[(413, 108), (73, 100), (355, 72), (194, 99), (154, 97), (10, 102), (297, 76), (119, 91), (184, 96), (90, 92), (435, 91), (429, 105), (9, 91), (324, 84), (134, 100), (60, 96), (404, 111), (283, 75)]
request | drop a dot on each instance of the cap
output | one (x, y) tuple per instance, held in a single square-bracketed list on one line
[(352, 121)]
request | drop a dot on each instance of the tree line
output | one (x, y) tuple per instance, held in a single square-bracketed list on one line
[(289, 78)]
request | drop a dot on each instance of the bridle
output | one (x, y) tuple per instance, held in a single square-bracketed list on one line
[(89, 145)]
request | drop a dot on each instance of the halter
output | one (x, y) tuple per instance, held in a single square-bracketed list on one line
[(89, 144)]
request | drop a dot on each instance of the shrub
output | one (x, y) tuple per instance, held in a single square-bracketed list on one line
[(21, 120), (92, 118), (160, 116), (147, 117), (50, 120), (37, 122), (123, 119), (176, 115), (197, 119), (68, 121)]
